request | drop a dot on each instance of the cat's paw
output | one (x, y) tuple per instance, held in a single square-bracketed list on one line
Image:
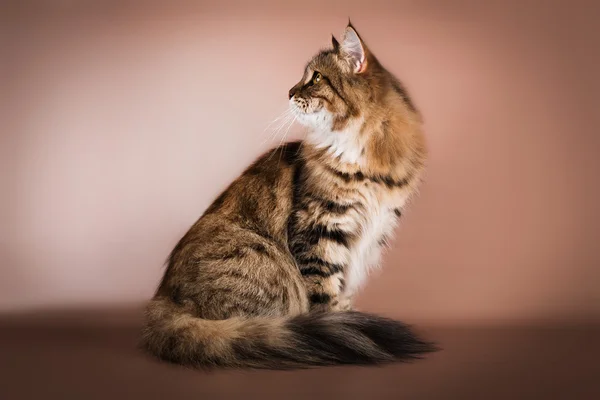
[(344, 305)]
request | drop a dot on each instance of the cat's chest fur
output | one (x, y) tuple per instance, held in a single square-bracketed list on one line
[(377, 224), (380, 203)]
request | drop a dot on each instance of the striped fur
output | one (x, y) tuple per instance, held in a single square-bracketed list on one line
[(267, 276)]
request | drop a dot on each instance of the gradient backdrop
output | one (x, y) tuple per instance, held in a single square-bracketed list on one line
[(122, 120)]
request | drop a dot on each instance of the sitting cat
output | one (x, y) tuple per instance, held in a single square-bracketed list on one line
[(266, 277)]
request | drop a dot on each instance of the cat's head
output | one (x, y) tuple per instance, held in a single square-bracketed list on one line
[(341, 85)]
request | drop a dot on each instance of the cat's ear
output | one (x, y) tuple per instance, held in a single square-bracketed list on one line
[(335, 43), (354, 50)]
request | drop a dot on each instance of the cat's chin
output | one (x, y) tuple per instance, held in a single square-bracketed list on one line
[(319, 121)]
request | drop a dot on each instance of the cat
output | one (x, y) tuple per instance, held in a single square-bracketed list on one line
[(266, 277)]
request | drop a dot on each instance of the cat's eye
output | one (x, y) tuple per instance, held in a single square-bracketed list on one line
[(317, 77)]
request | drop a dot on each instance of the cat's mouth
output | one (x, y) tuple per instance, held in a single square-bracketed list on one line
[(303, 107), (318, 119)]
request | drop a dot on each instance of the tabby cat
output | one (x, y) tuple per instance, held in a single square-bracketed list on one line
[(266, 277)]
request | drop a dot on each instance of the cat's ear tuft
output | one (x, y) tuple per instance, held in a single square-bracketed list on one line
[(335, 43), (354, 49)]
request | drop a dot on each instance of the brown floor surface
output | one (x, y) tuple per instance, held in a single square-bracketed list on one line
[(92, 355)]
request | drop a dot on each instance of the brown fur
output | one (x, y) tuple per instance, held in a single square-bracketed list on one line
[(261, 279)]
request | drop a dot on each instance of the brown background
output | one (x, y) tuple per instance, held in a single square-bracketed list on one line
[(121, 121)]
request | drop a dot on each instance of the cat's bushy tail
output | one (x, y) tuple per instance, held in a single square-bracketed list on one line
[(302, 341)]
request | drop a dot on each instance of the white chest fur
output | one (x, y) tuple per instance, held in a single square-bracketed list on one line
[(379, 223)]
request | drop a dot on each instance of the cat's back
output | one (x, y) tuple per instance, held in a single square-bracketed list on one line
[(263, 192), (257, 203), (242, 238)]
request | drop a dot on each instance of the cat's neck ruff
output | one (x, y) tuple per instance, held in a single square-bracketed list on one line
[(345, 146)]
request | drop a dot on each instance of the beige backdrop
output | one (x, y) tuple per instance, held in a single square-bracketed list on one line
[(121, 121)]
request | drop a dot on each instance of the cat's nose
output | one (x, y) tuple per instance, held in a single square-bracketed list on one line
[(292, 92)]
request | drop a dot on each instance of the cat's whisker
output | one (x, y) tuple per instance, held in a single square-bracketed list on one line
[(287, 126), (282, 126), (284, 137), (280, 123), (303, 140), (279, 129), (286, 113), (283, 123)]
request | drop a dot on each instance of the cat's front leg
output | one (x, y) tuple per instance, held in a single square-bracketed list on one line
[(324, 292), (344, 304), (345, 300)]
